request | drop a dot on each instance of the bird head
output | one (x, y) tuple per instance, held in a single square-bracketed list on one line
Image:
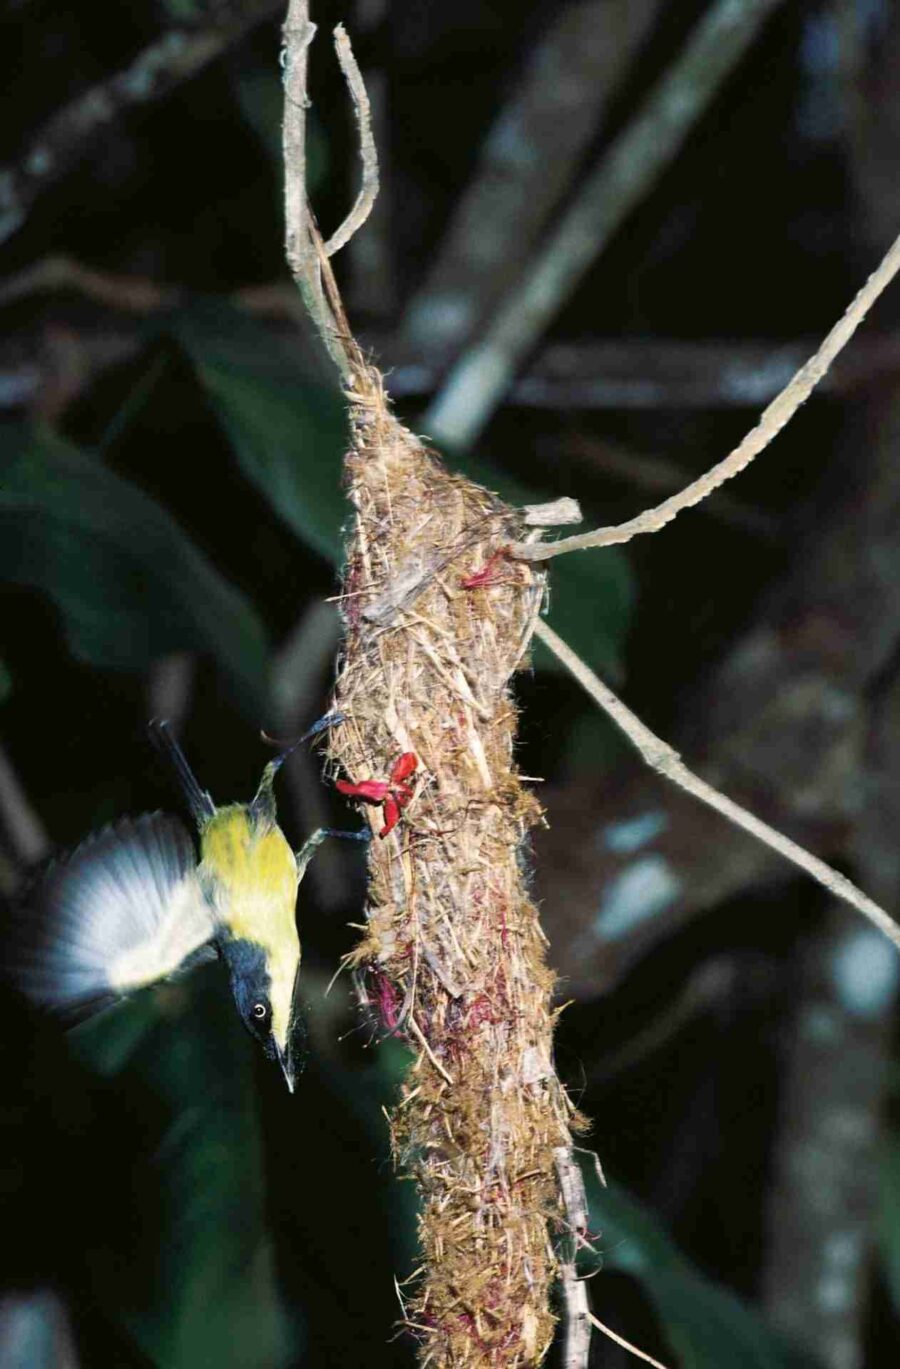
[(265, 994)]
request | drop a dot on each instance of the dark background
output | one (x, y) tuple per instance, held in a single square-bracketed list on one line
[(169, 525)]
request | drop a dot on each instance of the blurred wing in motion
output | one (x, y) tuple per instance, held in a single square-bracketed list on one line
[(123, 910)]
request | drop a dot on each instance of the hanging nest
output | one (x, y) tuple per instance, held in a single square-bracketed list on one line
[(453, 957)]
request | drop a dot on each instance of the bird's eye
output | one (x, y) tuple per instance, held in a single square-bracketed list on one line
[(260, 1011)]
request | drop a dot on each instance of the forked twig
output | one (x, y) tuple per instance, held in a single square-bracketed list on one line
[(779, 413), (661, 757), (307, 255)]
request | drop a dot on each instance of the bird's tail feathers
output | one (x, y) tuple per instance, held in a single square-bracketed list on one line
[(199, 800)]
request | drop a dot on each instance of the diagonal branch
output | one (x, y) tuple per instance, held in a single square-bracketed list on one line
[(662, 758), (480, 379), (775, 417), (528, 160)]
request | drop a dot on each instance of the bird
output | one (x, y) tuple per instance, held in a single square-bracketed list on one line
[(132, 905)]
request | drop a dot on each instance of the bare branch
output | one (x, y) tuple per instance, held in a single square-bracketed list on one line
[(133, 294), (301, 234), (625, 1344), (478, 382), (368, 191), (527, 160), (304, 249), (656, 475), (661, 757), (779, 413)]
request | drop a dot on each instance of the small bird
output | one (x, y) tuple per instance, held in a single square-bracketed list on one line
[(131, 906)]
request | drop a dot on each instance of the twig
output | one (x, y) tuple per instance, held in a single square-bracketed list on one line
[(304, 249), (625, 1344), (368, 191), (624, 373), (658, 476), (625, 173), (299, 242), (577, 1344), (779, 412), (66, 136), (134, 294), (661, 757)]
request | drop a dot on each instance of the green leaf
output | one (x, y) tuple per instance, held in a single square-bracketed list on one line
[(129, 584), (288, 434), (707, 1325), (188, 1273)]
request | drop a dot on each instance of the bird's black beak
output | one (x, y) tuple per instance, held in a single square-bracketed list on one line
[(287, 1066)]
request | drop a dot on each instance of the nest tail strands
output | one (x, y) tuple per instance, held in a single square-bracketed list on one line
[(437, 620)]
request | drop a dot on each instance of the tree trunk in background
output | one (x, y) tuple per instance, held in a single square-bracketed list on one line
[(824, 1194)]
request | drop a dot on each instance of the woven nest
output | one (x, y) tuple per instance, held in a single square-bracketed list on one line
[(452, 956)]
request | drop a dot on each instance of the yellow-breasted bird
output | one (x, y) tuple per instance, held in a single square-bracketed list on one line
[(131, 906)]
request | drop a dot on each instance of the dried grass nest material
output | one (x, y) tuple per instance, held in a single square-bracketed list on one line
[(453, 956)]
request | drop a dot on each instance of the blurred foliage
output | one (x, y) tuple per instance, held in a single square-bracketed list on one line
[(288, 435), (205, 1289), (127, 582), (704, 1323)]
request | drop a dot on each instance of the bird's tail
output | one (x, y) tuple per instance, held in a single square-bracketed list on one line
[(199, 800)]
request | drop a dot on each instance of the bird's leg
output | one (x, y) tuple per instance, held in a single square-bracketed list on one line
[(308, 849)]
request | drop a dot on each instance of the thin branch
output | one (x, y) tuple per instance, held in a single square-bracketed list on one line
[(779, 413), (661, 757), (164, 64), (656, 475), (478, 382), (625, 1344), (368, 191), (133, 294), (621, 373), (299, 228), (304, 249)]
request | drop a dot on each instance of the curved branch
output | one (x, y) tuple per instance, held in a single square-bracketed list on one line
[(775, 417), (368, 190)]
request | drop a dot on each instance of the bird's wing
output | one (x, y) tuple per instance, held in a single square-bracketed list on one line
[(123, 910)]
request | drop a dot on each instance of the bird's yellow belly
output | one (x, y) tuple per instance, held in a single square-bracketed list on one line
[(252, 877)]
